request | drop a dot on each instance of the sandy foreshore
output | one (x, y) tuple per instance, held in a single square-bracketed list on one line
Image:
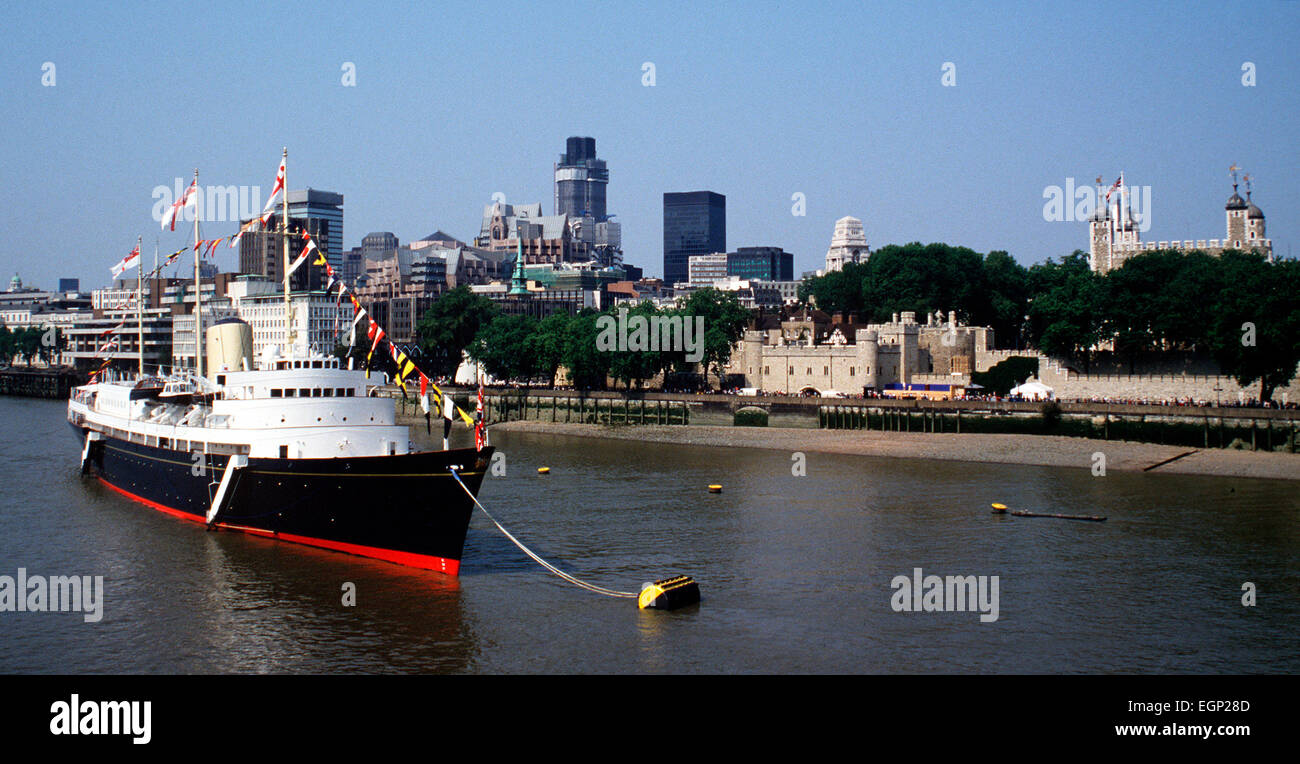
[(1049, 451)]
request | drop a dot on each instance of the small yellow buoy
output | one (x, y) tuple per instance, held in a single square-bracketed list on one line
[(999, 509), (669, 593), (543, 470), (715, 488)]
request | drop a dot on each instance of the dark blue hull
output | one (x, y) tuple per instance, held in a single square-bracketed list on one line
[(406, 509)]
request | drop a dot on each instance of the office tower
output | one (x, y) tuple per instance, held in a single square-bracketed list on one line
[(580, 181), (695, 223)]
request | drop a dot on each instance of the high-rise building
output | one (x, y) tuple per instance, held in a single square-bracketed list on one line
[(323, 211), (580, 184), (695, 223), (761, 264), (580, 181), (320, 213), (261, 253)]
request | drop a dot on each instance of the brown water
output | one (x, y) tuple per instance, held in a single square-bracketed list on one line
[(795, 571)]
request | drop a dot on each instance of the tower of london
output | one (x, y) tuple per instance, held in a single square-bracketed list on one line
[(1113, 231)]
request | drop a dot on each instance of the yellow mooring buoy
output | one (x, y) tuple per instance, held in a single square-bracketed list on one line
[(543, 470), (999, 509), (669, 594), (715, 488)]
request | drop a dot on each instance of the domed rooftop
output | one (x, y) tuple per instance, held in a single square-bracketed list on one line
[(1254, 213), (1235, 202), (1101, 214), (15, 283)]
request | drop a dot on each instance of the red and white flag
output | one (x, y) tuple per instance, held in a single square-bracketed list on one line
[(188, 199), (279, 183), (1114, 186), (130, 261), (305, 251), (479, 425), (375, 334)]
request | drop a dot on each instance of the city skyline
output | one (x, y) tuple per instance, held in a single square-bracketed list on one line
[(844, 118)]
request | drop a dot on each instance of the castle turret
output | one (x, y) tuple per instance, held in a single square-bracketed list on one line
[(1235, 210), (1099, 235), (1254, 219), (868, 342)]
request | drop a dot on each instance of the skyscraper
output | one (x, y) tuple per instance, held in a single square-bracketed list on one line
[(580, 184), (323, 211), (580, 181), (261, 252), (695, 223), (321, 214)]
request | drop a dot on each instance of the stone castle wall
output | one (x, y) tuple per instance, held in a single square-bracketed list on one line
[(1069, 384)]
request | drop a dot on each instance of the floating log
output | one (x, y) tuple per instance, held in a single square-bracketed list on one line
[(1001, 509)]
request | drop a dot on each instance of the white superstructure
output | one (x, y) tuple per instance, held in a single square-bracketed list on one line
[(289, 408)]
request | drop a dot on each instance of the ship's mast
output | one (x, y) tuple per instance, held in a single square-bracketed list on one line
[(284, 217), (198, 288), (139, 298)]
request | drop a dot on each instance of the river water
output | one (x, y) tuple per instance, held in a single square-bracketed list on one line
[(795, 571)]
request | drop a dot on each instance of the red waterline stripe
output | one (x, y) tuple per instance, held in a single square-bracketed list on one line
[(409, 559)]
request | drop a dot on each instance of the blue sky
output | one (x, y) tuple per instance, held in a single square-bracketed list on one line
[(842, 102)]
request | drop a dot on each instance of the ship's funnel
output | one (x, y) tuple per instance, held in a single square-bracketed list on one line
[(230, 347)]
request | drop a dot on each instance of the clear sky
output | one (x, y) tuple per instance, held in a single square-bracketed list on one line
[(453, 102)]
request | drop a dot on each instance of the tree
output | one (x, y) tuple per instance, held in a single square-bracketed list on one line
[(1255, 334), (1063, 312), (8, 348), (29, 343), (1008, 299), (724, 322), (1156, 301), (925, 278), (504, 348), (836, 291), (588, 366), (628, 366), (449, 326), (547, 345)]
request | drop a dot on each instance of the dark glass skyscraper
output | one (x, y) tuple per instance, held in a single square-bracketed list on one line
[(695, 223), (323, 211)]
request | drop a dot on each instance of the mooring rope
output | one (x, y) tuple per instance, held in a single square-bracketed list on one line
[(571, 579)]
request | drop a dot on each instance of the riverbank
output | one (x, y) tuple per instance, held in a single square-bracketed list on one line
[(1039, 450)]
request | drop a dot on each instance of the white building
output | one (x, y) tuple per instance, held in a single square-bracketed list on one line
[(319, 323), (848, 244), (702, 270)]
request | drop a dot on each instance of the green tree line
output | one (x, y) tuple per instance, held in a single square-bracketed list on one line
[(27, 344), (523, 348)]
